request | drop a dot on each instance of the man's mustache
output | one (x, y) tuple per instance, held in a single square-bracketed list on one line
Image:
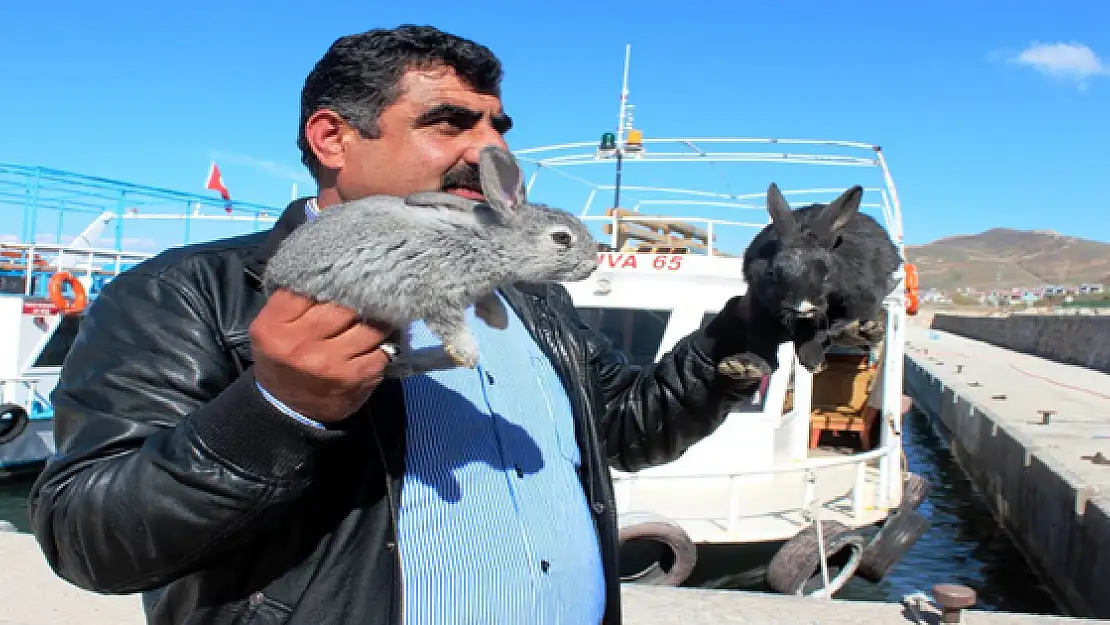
[(462, 177)]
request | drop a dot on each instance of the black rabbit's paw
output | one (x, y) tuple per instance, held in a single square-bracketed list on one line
[(812, 356), (743, 367), (872, 331), (858, 333)]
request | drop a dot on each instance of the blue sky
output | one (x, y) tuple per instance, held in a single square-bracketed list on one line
[(990, 113)]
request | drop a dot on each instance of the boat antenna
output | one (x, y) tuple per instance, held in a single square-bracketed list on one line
[(623, 118), (626, 139)]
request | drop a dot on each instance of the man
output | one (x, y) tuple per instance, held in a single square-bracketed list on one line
[(242, 460)]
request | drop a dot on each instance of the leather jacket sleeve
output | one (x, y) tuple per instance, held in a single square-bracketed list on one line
[(653, 414), (168, 455)]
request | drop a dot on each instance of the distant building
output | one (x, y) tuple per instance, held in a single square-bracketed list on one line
[(933, 296)]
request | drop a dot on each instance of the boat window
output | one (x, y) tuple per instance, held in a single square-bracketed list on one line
[(58, 346), (636, 332), (13, 284)]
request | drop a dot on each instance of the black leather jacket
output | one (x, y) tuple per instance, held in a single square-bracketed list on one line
[(175, 477)]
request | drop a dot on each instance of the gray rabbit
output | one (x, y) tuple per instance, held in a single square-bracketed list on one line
[(432, 255), (816, 276)]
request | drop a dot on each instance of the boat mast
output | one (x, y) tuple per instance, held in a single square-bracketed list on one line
[(624, 121), (624, 97)]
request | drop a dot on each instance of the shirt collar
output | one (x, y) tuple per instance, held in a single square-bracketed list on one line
[(311, 210)]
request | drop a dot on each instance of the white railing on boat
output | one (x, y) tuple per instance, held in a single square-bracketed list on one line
[(79, 262), (754, 202), (710, 228), (21, 391), (625, 484), (558, 158)]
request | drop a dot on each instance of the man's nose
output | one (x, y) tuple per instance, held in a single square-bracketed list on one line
[(482, 138)]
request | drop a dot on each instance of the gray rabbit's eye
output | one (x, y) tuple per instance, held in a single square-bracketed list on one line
[(562, 237)]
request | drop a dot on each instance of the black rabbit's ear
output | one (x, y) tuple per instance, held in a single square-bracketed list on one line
[(840, 211), (781, 214), (502, 180)]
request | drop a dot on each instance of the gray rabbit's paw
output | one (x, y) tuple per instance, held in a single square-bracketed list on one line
[(743, 367), (490, 309), (462, 348), (458, 343), (463, 356), (420, 361)]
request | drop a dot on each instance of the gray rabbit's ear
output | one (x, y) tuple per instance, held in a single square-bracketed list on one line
[(781, 215), (502, 180), (837, 214)]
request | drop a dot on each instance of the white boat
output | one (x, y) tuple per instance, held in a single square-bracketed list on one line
[(45, 286), (739, 508), (740, 504)]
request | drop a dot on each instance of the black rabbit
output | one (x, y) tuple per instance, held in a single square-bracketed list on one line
[(819, 274)]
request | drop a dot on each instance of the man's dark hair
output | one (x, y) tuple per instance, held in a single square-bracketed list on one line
[(358, 76)]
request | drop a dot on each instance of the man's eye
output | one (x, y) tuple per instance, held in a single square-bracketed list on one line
[(449, 127)]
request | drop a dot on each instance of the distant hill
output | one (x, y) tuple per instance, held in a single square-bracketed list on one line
[(1005, 258)]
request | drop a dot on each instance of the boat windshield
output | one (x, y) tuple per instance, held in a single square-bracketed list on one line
[(635, 331)]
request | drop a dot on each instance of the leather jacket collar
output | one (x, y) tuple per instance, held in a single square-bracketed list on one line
[(291, 218)]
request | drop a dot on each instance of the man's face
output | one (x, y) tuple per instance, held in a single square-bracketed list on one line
[(430, 138)]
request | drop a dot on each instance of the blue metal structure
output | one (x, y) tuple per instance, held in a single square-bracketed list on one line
[(36, 191), (55, 205), (92, 228)]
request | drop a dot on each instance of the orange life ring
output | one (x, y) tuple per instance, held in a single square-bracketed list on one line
[(911, 277), (80, 298), (912, 302)]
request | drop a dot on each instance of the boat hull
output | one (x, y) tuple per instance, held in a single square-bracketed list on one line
[(29, 450)]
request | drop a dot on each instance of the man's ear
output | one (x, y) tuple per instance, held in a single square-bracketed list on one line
[(329, 136)]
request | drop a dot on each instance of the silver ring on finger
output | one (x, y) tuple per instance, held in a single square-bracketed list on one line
[(391, 350)]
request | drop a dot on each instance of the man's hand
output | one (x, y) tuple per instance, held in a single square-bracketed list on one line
[(317, 358)]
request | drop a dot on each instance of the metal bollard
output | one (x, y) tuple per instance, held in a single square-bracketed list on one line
[(952, 598)]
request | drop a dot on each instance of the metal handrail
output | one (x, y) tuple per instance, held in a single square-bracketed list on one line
[(808, 467), (30, 383), (808, 464)]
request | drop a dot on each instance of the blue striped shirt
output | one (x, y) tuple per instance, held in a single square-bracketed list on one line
[(494, 526)]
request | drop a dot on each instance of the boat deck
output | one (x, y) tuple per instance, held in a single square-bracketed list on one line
[(768, 508)]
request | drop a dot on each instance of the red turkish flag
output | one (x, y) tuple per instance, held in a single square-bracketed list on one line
[(216, 182)]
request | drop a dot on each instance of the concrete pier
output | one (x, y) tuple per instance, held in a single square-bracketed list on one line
[(1045, 475), (30, 594), (1068, 338)]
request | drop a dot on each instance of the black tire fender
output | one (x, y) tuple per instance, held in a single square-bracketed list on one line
[(898, 535), (914, 491), (796, 567), (677, 557), (13, 421)]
